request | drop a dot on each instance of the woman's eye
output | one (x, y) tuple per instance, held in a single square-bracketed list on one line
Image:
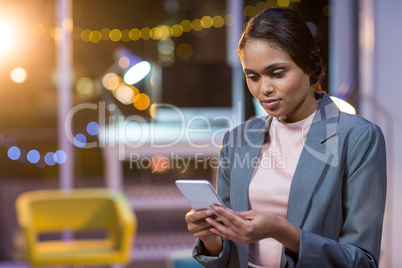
[(278, 74), (253, 77)]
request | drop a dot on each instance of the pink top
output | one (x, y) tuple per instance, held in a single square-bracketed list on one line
[(270, 183)]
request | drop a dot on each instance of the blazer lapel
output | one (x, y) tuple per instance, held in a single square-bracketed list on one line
[(244, 163), (318, 154)]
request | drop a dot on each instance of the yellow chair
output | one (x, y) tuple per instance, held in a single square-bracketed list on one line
[(78, 212)]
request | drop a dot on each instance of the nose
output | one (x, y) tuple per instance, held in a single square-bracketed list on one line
[(266, 86)]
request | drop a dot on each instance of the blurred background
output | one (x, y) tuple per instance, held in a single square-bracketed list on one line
[(74, 121)]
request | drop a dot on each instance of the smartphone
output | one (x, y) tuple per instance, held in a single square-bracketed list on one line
[(199, 193)]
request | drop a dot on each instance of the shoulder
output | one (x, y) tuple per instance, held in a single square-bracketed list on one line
[(356, 129)]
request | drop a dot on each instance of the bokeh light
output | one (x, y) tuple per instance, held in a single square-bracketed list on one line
[(159, 164), (176, 30), (93, 128), (197, 25), (115, 35), (134, 34), (250, 11), (85, 87), (125, 95), (33, 156), (18, 75), (105, 32), (218, 21), (6, 36), (145, 33), (60, 157), (141, 101), (283, 3), (186, 25), (49, 159), (153, 109), (207, 22), (137, 72), (14, 153), (184, 51), (124, 62), (111, 81), (80, 140)]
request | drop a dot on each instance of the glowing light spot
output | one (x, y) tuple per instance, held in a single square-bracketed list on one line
[(218, 21), (125, 35), (207, 22), (33, 156), (250, 11), (6, 36), (165, 31), (14, 153), (49, 159), (105, 32), (124, 62), (141, 101), (85, 35), (85, 86), (156, 33), (197, 25), (186, 25), (60, 157), (166, 47), (176, 30), (125, 95), (18, 75), (283, 3), (229, 20), (343, 105), (153, 110), (55, 33), (159, 164), (80, 140), (93, 128), (134, 34), (137, 72), (111, 81), (95, 37), (184, 51), (115, 35), (145, 33)]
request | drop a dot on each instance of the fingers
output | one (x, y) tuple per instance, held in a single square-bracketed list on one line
[(196, 215), (228, 217)]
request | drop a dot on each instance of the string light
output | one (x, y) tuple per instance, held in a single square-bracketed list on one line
[(159, 32)]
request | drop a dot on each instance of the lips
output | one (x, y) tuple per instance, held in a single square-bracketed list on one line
[(271, 103)]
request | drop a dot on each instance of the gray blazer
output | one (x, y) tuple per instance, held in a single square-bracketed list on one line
[(337, 196)]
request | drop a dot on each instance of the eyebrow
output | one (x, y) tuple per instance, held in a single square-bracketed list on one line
[(266, 68)]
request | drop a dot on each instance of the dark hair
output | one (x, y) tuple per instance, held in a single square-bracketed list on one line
[(285, 30)]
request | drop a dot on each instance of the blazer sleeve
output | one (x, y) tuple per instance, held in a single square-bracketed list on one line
[(364, 194), (199, 251)]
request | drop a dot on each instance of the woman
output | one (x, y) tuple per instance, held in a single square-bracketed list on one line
[(303, 187)]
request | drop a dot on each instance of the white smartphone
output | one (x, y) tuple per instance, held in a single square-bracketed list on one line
[(199, 193)]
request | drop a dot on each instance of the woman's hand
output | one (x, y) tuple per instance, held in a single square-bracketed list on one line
[(251, 226), (197, 224)]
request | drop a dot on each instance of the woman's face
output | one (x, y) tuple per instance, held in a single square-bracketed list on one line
[(281, 87)]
